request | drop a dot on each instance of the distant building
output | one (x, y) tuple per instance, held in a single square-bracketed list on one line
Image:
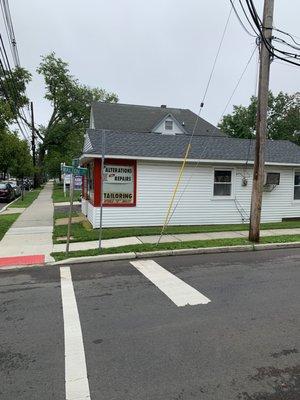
[(144, 150)]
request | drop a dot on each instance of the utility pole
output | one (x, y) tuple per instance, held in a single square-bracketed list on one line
[(33, 146), (261, 123)]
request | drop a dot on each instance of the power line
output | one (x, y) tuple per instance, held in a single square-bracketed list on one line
[(272, 50), (195, 125), (13, 89), (10, 31), (247, 17), (240, 20), (8, 99), (205, 147), (288, 34), (238, 82)]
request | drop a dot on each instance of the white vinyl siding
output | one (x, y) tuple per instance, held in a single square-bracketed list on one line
[(155, 183)]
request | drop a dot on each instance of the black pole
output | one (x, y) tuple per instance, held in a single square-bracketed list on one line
[(33, 147)]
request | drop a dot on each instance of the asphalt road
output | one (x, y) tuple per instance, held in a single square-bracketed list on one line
[(138, 344), (2, 205)]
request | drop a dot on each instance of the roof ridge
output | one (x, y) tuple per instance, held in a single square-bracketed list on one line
[(141, 106)]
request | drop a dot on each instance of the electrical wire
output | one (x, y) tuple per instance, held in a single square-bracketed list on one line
[(247, 17), (282, 41), (194, 128), (240, 20), (288, 34), (10, 31), (6, 69), (207, 143), (8, 100), (272, 50)]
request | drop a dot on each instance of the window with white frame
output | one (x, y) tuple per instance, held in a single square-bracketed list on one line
[(168, 125), (297, 186), (222, 182)]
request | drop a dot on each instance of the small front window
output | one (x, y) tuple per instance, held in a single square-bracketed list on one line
[(168, 125), (297, 186), (222, 183)]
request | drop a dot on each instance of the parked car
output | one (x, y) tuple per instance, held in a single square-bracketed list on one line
[(17, 188), (26, 184), (7, 192)]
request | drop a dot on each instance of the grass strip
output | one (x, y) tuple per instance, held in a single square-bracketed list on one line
[(58, 194), (195, 244), (64, 214), (28, 199), (6, 222), (81, 233)]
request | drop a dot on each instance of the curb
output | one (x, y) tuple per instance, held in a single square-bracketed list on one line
[(7, 205), (178, 252), (91, 259)]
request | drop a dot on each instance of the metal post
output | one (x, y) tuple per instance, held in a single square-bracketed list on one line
[(22, 194), (65, 189), (33, 147), (102, 194), (261, 123), (70, 213)]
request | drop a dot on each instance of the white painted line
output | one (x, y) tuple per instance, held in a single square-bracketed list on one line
[(77, 385), (178, 291)]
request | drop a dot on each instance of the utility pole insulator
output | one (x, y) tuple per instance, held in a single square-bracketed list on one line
[(261, 123)]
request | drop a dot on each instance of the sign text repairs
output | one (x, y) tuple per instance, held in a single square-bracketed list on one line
[(118, 184)]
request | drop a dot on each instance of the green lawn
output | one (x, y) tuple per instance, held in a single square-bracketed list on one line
[(196, 244), (6, 221), (82, 232), (58, 194), (64, 214), (29, 197)]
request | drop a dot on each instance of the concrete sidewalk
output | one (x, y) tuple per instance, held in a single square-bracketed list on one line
[(31, 234), (186, 237)]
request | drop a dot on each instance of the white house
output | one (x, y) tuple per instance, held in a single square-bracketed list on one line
[(144, 149)]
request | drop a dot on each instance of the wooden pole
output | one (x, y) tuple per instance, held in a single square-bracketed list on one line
[(261, 124)]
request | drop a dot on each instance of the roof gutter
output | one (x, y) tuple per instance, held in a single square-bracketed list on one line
[(87, 156)]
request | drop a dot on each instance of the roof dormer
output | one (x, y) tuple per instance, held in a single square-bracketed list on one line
[(168, 126)]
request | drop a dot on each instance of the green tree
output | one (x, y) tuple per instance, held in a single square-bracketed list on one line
[(15, 157), (62, 137), (22, 165), (283, 118), (12, 95)]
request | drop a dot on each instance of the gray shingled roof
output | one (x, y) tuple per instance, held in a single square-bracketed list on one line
[(135, 118), (173, 146)]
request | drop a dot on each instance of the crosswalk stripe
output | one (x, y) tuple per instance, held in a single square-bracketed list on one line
[(77, 385), (178, 291)]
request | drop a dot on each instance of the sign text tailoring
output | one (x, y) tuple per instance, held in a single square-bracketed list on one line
[(118, 185)]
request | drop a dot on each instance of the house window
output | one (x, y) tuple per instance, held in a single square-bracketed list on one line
[(222, 182), (168, 125), (297, 186)]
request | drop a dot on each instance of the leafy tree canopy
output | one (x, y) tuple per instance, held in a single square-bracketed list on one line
[(61, 139), (15, 157), (283, 118), (12, 95)]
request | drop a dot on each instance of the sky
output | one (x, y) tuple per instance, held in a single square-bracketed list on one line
[(149, 52)]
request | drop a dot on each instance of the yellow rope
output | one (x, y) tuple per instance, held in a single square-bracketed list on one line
[(175, 190)]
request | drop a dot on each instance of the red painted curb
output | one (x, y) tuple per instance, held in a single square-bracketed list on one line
[(22, 260)]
